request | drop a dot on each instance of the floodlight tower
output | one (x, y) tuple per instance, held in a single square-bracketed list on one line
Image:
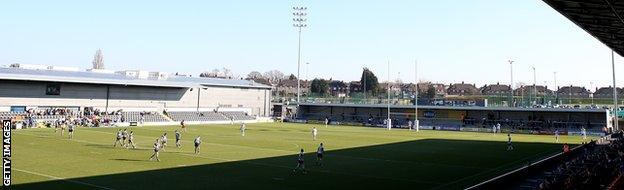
[(534, 86), (556, 89), (299, 19), (307, 65)]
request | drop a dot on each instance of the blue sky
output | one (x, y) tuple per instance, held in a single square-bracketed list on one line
[(453, 41)]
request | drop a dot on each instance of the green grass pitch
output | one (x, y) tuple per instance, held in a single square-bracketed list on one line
[(356, 158)]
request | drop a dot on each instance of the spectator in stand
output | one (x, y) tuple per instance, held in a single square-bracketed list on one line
[(595, 168)]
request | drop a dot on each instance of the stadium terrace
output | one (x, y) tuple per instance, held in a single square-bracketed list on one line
[(134, 93)]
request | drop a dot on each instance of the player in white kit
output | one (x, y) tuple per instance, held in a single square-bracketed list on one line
[(314, 133), (242, 129)]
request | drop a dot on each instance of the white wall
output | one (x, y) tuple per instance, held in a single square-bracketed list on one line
[(25, 93)]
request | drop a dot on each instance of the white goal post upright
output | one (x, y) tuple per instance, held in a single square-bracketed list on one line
[(416, 123), (389, 122)]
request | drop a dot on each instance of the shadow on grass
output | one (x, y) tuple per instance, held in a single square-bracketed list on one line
[(419, 164), (105, 146), (129, 160)]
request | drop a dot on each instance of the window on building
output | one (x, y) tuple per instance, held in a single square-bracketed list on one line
[(53, 89)]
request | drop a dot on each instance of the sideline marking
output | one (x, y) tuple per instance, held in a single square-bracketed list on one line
[(64, 179)]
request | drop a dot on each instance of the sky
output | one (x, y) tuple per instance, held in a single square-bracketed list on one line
[(452, 41)]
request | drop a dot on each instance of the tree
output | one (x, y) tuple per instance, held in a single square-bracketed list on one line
[(210, 74), (274, 76), (254, 75), (292, 77), (431, 92), (207, 74), (98, 60), (320, 86), (225, 73), (369, 81)]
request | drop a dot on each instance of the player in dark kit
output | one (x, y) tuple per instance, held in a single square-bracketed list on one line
[(319, 154), (124, 136), (197, 143), (178, 136), (300, 163), (131, 140), (183, 126)]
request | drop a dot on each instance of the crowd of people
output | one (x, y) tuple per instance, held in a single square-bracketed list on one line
[(50, 111), (88, 117), (594, 168)]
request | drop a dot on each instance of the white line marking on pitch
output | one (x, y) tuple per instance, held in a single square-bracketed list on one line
[(493, 170), (64, 179)]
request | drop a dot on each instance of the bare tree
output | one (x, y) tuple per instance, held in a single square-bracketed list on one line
[(225, 73), (254, 75), (274, 76), (210, 74), (98, 60)]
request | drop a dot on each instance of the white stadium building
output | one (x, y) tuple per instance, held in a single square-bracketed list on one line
[(167, 98)]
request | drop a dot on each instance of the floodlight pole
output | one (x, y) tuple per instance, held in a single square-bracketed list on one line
[(615, 103), (306, 73), (556, 89), (299, 14), (534, 86), (591, 85)]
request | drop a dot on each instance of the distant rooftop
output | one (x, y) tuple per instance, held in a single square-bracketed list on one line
[(90, 77)]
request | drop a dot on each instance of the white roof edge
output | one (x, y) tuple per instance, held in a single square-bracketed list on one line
[(79, 80), (67, 76)]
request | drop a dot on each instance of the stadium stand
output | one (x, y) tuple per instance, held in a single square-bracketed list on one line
[(520, 120), (135, 116), (96, 117), (594, 165), (47, 117), (196, 116), (237, 115), (596, 168), (209, 116), (59, 92), (9, 115)]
